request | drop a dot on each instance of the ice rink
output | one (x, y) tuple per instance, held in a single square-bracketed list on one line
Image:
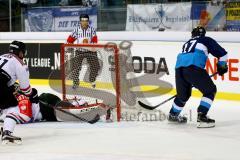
[(157, 140)]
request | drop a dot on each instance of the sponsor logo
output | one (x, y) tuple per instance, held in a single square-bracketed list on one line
[(40, 21)]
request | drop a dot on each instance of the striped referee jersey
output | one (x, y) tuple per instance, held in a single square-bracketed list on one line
[(83, 35)]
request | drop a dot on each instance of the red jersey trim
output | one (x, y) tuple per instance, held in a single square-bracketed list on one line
[(71, 39), (94, 39), (19, 118), (27, 91)]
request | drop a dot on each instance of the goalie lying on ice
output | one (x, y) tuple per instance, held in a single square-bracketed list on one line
[(45, 110)]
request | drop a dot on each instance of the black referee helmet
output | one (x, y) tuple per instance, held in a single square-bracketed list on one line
[(84, 17)]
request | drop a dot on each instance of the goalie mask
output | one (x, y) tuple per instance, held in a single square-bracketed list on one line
[(198, 31), (16, 47)]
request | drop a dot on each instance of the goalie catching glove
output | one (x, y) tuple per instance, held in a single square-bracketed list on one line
[(222, 67)]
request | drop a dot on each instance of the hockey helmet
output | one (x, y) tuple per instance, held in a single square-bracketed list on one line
[(198, 31), (84, 17), (16, 46)]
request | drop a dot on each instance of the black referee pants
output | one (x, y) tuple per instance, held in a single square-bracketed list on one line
[(93, 62)]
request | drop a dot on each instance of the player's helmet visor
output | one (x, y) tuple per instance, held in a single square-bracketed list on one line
[(84, 17)]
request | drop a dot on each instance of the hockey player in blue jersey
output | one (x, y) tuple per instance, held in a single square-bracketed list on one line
[(190, 72)]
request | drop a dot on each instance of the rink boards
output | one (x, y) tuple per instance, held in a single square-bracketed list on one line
[(150, 50), (140, 140)]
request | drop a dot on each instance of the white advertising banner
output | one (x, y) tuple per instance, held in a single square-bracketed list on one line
[(57, 19), (159, 17)]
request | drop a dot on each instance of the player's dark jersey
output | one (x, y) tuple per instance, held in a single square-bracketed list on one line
[(195, 52)]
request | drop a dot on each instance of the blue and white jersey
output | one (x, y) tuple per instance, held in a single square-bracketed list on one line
[(195, 52)]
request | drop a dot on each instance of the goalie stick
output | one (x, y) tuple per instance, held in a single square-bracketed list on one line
[(92, 121), (156, 106)]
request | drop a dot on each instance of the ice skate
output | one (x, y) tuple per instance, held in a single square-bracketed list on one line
[(7, 137), (204, 121), (177, 118)]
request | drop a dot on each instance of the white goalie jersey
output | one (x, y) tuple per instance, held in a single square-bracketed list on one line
[(15, 69)]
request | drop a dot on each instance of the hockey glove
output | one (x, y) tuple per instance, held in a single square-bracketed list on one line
[(34, 96), (16, 89), (222, 67)]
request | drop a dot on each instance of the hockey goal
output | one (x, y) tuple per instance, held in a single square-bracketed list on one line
[(91, 72)]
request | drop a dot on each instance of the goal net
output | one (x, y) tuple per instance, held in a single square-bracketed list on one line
[(104, 74), (90, 72)]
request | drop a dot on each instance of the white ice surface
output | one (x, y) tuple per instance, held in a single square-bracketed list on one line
[(133, 140)]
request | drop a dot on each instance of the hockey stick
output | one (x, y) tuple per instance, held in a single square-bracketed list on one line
[(161, 22), (156, 106), (92, 121)]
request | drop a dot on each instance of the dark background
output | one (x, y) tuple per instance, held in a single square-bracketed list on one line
[(40, 50)]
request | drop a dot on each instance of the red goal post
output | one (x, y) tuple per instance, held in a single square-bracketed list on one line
[(73, 54)]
